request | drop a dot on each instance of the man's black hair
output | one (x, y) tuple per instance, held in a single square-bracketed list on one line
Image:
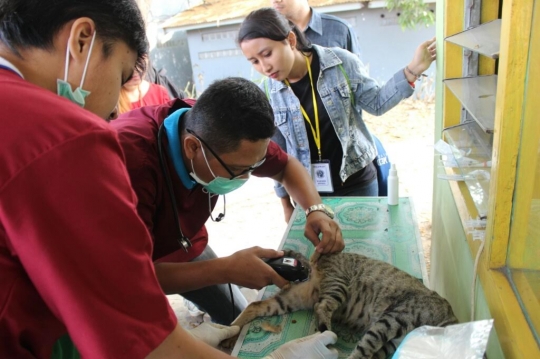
[(231, 110), (34, 23)]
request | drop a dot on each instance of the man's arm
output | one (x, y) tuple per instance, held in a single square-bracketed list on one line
[(180, 345), (299, 185), (73, 224), (244, 268)]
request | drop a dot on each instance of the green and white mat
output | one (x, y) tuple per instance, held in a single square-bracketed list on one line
[(370, 227)]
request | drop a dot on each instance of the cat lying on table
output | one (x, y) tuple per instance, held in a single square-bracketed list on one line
[(367, 295)]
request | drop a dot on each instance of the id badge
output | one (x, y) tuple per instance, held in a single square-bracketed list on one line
[(320, 172)]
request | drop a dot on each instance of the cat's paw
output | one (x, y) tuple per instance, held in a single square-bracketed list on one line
[(322, 327), (324, 316), (229, 343)]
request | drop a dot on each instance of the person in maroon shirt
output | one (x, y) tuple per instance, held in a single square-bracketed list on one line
[(224, 138), (75, 258), (138, 92)]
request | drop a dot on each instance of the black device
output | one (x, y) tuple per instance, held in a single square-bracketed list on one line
[(289, 268)]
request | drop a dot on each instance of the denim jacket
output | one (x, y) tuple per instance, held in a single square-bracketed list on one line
[(338, 97)]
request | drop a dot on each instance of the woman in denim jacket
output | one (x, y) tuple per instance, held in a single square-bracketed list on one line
[(318, 95)]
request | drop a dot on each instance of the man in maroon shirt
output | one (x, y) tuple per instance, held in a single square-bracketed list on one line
[(208, 150), (75, 258)]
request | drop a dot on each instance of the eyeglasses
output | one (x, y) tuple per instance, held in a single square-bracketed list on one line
[(233, 176)]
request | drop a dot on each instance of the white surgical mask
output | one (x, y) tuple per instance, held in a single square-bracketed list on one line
[(63, 88)]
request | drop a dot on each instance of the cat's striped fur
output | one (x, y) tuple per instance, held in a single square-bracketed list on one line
[(367, 295)]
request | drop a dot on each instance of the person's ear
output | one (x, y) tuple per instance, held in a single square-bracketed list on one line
[(190, 146), (292, 39), (80, 40)]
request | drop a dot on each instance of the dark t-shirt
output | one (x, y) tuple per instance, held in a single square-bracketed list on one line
[(331, 148)]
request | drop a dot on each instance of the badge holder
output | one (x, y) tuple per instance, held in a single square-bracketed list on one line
[(320, 172)]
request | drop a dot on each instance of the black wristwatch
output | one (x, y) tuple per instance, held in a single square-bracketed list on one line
[(320, 207)]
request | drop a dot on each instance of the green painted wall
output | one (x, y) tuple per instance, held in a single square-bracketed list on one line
[(452, 262)]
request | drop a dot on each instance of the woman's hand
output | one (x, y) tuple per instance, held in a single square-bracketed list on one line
[(424, 55)]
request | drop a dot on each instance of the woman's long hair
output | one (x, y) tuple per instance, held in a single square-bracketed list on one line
[(124, 104), (270, 24)]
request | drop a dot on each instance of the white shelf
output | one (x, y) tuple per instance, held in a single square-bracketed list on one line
[(477, 95), (484, 39)]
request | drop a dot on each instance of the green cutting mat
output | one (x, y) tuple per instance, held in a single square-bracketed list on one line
[(370, 227)]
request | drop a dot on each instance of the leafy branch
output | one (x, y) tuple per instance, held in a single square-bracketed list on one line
[(413, 13)]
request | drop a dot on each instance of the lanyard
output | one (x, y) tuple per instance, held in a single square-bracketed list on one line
[(315, 131)]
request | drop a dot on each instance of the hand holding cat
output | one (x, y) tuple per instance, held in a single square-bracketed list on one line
[(318, 223), (247, 269), (212, 333), (312, 347)]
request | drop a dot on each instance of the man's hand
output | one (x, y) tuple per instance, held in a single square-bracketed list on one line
[(311, 347), (213, 334), (247, 269), (319, 223)]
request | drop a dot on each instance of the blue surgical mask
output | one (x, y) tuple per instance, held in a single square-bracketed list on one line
[(63, 88), (219, 185)]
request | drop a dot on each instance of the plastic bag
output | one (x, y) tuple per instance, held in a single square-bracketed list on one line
[(460, 341)]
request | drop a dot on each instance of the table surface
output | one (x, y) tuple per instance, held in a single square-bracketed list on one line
[(370, 227)]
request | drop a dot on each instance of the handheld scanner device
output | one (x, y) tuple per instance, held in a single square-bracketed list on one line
[(289, 268)]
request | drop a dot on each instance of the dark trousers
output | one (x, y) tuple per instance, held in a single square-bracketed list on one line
[(216, 299)]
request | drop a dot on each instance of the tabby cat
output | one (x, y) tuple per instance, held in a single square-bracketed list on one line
[(367, 295)]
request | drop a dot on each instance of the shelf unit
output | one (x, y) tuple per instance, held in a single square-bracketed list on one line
[(477, 95), (484, 39), (472, 159), (497, 277)]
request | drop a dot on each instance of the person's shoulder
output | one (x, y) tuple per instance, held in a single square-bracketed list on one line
[(334, 19), (147, 118), (161, 89), (139, 126), (37, 122), (137, 129), (325, 53), (43, 112), (342, 53)]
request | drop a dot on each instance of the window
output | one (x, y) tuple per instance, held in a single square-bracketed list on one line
[(524, 246)]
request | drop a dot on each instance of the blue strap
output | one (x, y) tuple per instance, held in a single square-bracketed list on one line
[(174, 147)]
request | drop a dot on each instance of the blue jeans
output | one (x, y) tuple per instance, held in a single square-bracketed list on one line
[(216, 299), (369, 190)]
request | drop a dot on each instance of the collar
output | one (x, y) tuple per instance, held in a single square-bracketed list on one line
[(5, 64), (315, 23), (327, 57), (174, 146)]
